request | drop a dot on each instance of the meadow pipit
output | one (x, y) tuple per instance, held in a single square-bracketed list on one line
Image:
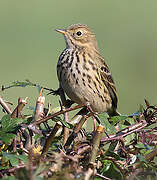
[(83, 73)]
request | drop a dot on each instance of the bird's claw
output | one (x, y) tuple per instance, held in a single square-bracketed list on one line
[(54, 92)]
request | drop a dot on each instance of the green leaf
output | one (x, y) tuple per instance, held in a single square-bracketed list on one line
[(103, 117), (5, 120), (37, 136), (106, 166), (112, 154), (121, 126), (155, 160), (109, 127), (9, 124), (21, 84), (40, 169), (9, 178), (113, 146), (152, 126), (11, 157), (130, 121), (110, 170), (23, 158), (7, 137), (129, 138), (66, 124), (14, 159), (141, 158), (145, 149), (116, 119), (4, 167), (97, 178), (140, 145)]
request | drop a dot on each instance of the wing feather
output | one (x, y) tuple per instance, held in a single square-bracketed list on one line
[(106, 77)]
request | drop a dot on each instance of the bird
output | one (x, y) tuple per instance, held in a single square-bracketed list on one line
[(83, 73)]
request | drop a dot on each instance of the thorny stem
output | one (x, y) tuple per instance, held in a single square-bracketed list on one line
[(57, 114), (30, 83), (125, 132)]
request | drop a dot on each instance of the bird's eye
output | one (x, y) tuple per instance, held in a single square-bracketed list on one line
[(79, 33)]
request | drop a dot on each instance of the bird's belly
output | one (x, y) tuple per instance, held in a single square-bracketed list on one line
[(81, 92)]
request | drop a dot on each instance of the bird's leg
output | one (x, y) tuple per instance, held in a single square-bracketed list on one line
[(59, 92), (93, 113)]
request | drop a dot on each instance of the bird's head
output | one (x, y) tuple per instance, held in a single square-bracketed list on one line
[(79, 35)]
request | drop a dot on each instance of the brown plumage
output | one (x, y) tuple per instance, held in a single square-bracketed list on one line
[(83, 73)]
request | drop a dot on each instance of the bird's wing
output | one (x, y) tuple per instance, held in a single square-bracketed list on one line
[(106, 77)]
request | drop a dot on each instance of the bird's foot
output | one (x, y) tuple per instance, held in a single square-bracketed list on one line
[(68, 103), (54, 92), (92, 112)]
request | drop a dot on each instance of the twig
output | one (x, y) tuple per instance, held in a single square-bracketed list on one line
[(39, 109), (84, 149), (5, 106), (18, 108), (27, 138), (14, 144), (134, 174), (116, 164), (125, 132), (96, 143), (66, 130), (75, 131), (24, 84), (137, 166), (57, 114), (33, 128), (151, 155), (63, 99), (50, 138), (103, 177), (88, 174), (11, 170), (30, 165)]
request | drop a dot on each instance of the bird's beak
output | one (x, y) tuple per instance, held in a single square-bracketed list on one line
[(63, 31)]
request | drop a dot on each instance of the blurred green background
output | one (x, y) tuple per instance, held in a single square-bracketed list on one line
[(126, 31)]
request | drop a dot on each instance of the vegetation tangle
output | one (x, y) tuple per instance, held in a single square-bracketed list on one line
[(48, 144)]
